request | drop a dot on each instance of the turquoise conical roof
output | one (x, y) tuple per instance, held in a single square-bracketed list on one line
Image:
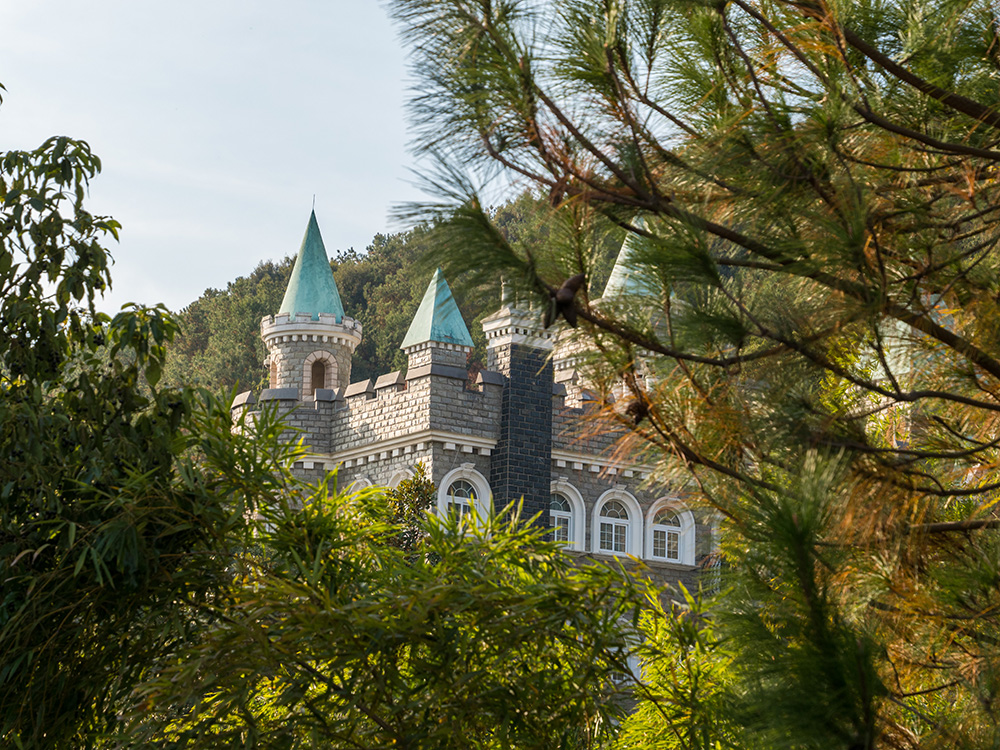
[(311, 289), (625, 278), (437, 318)]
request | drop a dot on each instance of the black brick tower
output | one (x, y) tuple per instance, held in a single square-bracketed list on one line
[(521, 464)]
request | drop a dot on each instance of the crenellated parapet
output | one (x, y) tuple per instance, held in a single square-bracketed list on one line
[(513, 326)]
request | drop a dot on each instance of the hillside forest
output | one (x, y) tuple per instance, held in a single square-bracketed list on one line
[(220, 346)]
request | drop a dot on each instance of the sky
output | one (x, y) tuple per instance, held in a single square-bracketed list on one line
[(217, 122)]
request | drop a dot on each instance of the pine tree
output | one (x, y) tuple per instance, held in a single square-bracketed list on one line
[(811, 331)]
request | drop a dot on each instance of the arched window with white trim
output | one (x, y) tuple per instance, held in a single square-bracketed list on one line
[(670, 532), (360, 483), (463, 490), (560, 518), (613, 529), (461, 498), (667, 536), (399, 476), (617, 524), (567, 514), (319, 370)]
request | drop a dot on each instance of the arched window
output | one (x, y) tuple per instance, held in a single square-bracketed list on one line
[(617, 523), (361, 483), (463, 489), (319, 370), (318, 376), (560, 518), (571, 513), (461, 498), (670, 532), (667, 536), (398, 477), (272, 381), (613, 531)]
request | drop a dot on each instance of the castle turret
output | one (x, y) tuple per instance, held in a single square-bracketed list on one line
[(626, 279), (437, 335), (310, 341)]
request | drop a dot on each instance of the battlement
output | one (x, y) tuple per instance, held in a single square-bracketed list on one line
[(510, 325), (389, 408), (319, 328)]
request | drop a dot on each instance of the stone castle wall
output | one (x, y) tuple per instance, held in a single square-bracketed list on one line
[(522, 433)]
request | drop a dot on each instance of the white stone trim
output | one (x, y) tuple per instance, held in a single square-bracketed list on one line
[(361, 483), (283, 328), (510, 326), (579, 509), (595, 463), (633, 542), (484, 495), (420, 441), (687, 538), (414, 348), (330, 371), (398, 476)]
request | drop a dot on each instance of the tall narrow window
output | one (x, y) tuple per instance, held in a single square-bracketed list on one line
[(273, 379), (614, 528), (318, 376), (461, 497), (667, 536), (560, 518)]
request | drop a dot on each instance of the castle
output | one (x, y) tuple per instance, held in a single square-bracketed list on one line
[(515, 432)]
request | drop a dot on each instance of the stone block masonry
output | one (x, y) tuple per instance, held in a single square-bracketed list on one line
[(519, 432)]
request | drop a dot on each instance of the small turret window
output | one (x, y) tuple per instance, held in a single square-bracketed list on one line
[(273, 380), (318, 376)]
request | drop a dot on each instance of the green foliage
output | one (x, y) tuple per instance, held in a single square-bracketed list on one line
[(812, 192), (686, 699), (163, 586), (491, 638), (221, 346), (122, 500), (409, 502)]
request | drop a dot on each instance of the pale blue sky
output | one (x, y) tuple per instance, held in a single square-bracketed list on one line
[(216, 122)]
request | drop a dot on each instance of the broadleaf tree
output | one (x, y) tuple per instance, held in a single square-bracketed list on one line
[(121, 500), (809, 329)]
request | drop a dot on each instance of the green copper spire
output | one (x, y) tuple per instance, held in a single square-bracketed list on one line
[(311, 289), (437, 318), (625, 278)]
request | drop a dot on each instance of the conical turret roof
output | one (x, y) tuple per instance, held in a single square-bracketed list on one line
[(311, 288), (438, 318), (625, 278)]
